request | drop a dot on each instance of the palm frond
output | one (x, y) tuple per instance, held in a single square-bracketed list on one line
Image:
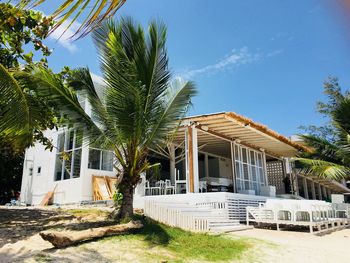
[(322, 149), (176, 104), (15, 112), (49, 86), (341, 115), (323, 169), (70, 10)]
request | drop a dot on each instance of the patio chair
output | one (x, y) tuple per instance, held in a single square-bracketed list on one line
[(147, 188), (202, 186), (168, 187), (159, 186)]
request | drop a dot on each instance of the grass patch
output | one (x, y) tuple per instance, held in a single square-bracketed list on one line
[(42, 258), (87, 212), (187, 245)]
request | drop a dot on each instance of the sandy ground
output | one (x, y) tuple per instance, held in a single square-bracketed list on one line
[(287, 246), (20, 242)]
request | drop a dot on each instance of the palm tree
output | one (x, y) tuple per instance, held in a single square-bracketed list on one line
[(23, 116), (330, 157), (140, 106), (69, 11)]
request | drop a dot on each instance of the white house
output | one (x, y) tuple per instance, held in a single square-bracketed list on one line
[(221, 152)]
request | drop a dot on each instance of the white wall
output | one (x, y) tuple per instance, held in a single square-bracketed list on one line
[(34, 187)]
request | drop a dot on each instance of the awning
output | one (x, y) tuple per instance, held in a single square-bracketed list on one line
[(215, 130)]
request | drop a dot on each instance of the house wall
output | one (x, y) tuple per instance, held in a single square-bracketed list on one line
[(73, 190), (35, 187)]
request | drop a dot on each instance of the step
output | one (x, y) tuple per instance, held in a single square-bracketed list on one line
[(230, 229)]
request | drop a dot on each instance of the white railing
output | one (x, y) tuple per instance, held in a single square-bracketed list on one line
[(200, 211), (177, 216)]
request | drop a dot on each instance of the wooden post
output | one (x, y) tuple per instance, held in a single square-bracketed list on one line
[(306, 191), (192, 160)]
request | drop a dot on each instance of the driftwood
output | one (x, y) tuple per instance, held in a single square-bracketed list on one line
[(64, 239)]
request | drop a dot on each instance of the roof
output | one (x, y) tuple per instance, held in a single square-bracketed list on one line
[(332, 184), (232, 126)]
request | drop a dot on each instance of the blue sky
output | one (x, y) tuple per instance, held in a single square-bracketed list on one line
[(266, 60)]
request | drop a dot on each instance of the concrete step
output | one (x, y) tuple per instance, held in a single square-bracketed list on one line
[(227, 229)]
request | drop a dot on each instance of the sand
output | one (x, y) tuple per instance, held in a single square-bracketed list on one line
[(20, 242), (288, 246)]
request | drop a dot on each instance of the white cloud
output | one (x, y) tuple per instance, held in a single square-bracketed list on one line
[(237, 57), (64, 40), (234, 58), (274, 53)]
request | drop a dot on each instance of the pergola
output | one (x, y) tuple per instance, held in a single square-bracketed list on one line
[(219, 132)]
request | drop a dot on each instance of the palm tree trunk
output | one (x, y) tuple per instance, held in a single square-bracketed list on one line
[(126, 209)]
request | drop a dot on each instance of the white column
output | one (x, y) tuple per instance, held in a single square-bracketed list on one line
[(264, 167), (296, 184), (329, 193), (172, 163), (195, 160), (232, 144), (306, 192), (206, 166), (313, 190), (319, 192)]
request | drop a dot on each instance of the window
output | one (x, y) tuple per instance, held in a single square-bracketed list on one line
[(100, 159), (30, 171), (249, 169), (68, 157), (39, 170)]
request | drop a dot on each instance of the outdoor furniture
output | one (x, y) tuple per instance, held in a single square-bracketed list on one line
[(168, 187), (147, 188), (180, 185), (202, 186), (157, 188)]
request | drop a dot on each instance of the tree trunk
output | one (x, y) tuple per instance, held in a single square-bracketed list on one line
[(127, 208), (64, 239)]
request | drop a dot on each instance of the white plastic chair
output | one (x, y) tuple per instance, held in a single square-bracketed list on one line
[(147, 188), (168, 187), (157, 188)]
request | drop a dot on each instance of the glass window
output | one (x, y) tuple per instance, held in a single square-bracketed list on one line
[(60, 142), (68, 157), (244, 155), (100, 160), (249, 169), (30, 173), (107, 161), (94, 159), (58, 167), (77, 162), (39, 170)]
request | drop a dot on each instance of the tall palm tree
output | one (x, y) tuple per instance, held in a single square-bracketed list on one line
[(140, 106), (330, 158)]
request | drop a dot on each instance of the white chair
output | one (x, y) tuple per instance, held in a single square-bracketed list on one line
[(159, 188), (168, 187), (147, 188), (202, 186)]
